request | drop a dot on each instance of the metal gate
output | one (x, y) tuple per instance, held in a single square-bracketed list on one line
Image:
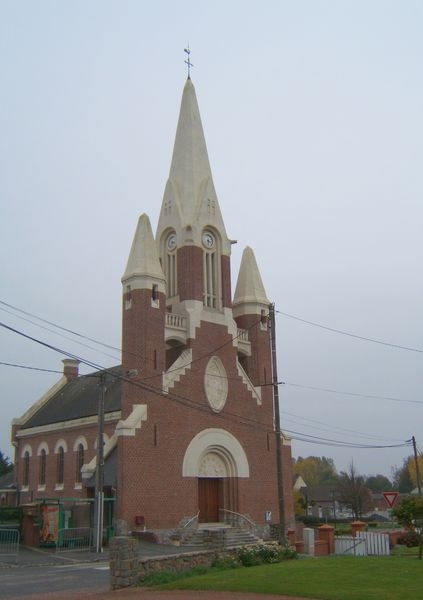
[(9, 542)]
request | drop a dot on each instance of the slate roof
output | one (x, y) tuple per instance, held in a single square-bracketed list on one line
[(320, 493), (109, 471), (78, 398)]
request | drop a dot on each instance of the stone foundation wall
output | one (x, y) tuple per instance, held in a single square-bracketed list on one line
[(176, 563), (123, 562), (127, 569)]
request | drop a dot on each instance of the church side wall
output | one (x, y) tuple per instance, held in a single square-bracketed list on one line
[(49, 441)]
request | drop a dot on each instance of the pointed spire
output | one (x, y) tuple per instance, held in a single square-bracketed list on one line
[(249, 287), (143, 259), (190, 201), (190, 167)]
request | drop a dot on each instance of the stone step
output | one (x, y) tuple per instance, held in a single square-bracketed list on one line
[(233, 537)]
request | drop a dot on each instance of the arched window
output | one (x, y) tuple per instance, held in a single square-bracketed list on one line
[(25, 476), (210, 270), (60, 466), (79, 462), (42, 458), (170, 264)]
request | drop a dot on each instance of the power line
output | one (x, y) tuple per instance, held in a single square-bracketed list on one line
[(57, 333), (29, 368), (192, 404), (141, 384), (75, 333), (353, 335), (305, 419), (95, 365), (213, 351), (354, 394), (339, 443), (331, 429)]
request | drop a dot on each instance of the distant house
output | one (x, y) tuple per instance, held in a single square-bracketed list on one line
[(299, 483), (321, 501), (8, 489)]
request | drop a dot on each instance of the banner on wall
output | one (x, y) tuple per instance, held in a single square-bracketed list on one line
[(49, 529)]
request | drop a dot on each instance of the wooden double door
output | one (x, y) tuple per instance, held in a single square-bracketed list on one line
[(210, 492)]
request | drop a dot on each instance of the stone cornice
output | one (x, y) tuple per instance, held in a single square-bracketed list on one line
[(65, 425)]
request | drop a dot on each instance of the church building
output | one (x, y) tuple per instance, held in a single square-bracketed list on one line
[(189, 419)]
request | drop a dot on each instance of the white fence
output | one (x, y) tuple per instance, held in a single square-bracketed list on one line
[(377, 544), (9, 542), (366, 543)]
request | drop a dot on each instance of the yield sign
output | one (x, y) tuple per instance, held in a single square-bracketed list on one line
[(390, 498)]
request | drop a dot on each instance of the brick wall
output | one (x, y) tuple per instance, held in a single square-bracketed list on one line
[(70, 488), (150, 463)]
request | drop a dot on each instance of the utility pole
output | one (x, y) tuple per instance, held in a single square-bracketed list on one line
[(278, 437), (416, 460), (99, 473)]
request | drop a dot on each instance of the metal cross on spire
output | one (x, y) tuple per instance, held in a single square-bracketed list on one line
[(188, 61)]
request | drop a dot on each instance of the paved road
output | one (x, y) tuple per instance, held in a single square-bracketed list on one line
[(71, 578), (42, 573)]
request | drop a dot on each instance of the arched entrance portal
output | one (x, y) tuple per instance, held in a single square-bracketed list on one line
[(218, 460)]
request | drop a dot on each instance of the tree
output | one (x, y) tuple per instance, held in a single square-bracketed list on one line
[(405, 477), (315, 470), (378, 483), (353, 493), (300, 504), (409, 513), (5, 464)]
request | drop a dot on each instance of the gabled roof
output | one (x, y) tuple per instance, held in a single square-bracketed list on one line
[(320, 493), (78, 398)]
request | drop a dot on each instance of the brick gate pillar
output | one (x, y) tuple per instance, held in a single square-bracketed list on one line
[(327, 533)]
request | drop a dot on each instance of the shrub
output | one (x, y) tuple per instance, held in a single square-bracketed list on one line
[(260, 554), (310, 520), (228, 562), (343, 530), (409, 539)]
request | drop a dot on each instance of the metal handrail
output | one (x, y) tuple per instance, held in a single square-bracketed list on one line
[(239, 515), (191, 520)]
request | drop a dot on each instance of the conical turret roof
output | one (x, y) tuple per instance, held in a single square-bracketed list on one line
[(249, 287), (143, 258)]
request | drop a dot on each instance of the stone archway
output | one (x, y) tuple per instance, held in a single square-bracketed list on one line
[(216, 458)]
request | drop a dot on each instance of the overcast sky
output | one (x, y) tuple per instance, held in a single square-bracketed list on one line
[(312, 112)]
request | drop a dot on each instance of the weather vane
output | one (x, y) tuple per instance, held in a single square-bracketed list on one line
[(188, 61)]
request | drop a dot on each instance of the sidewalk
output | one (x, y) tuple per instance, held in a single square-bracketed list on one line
[(38, 557), (29, 556)]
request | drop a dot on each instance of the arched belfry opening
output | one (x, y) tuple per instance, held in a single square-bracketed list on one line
[(216, 458)]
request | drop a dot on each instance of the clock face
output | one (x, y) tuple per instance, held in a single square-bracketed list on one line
[(171, 242), (208, 239)]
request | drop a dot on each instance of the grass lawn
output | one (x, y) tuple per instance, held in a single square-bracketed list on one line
[(325, 578)]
